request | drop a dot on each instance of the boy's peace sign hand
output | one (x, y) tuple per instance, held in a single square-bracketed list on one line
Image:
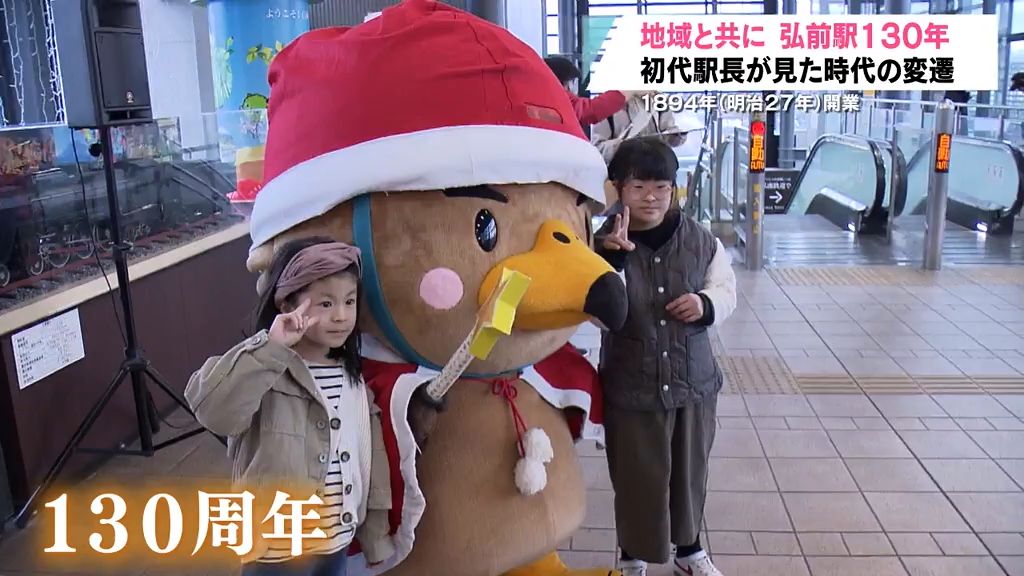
[(289, 328), (618, 238)]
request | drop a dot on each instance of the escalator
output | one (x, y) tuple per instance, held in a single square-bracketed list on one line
[(986, 190), (846, 182), (838, 211), (985, 197)]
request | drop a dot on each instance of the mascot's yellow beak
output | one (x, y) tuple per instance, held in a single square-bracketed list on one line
[(570, 283)]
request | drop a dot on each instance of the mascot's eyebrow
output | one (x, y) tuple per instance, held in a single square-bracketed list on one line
[(482, 191)]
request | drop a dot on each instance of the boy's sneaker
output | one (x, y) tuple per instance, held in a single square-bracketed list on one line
[(633, 567), (697, 565)]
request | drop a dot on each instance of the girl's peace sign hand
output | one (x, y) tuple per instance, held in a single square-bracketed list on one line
[(289, 328), (618, 238)]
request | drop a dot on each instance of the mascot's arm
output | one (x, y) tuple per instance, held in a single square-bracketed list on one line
[(423, 412), (719, 286), (227, 391)]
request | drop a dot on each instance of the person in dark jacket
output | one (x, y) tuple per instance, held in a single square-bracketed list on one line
[(1017, 85), (588, 110), (659, 377)]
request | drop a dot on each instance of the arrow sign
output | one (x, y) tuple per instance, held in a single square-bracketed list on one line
[(778, 189)]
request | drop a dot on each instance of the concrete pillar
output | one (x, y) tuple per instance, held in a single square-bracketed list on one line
[(245, 35), (490, 10), (568, 35), (787, 121), (896, 7), (526, 19)]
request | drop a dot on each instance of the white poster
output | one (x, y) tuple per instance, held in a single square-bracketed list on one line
[(48, 347)]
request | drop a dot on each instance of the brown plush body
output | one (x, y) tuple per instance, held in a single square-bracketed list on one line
[(476, 522)]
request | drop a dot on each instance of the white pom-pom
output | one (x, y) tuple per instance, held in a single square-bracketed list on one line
[(531, 477), (537, 445)]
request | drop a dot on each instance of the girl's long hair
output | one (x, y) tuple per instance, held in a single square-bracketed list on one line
[(348, 354)]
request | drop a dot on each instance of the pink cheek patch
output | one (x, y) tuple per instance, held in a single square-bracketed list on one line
[(441, 288)]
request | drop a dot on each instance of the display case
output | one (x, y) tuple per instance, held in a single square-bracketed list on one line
[(54, 216)]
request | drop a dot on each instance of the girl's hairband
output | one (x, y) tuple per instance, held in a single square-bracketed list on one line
[(314, 263)]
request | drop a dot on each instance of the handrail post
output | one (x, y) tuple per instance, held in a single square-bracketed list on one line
[(938, 185), (757, 151), (893, 178), (736, 178), (716, 185)]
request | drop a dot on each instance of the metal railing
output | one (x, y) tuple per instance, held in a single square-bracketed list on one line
[(970, 119)]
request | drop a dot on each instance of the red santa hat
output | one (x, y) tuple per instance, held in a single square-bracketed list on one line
[(422, 97)]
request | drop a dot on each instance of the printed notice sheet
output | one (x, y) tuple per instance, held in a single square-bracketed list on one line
[(48, 347)]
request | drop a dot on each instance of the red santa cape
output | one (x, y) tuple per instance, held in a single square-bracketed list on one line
[(565, 380)]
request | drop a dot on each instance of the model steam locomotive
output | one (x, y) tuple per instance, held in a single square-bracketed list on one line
[(52, 217)]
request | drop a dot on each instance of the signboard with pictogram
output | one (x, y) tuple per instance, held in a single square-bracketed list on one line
[(779, 185)]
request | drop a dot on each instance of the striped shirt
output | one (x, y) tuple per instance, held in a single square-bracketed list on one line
[(346, 487)]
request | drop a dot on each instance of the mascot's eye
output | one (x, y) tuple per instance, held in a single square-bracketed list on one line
[(486, 229)]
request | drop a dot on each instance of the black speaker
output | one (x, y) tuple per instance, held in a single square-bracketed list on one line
[(102, 62)]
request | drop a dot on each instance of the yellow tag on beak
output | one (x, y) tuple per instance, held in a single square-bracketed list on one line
[(494, 319), (498, 314)]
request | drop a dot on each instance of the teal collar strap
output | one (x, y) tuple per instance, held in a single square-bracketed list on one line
[(362, 231)]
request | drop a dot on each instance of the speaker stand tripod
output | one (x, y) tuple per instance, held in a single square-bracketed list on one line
[(134, 367)]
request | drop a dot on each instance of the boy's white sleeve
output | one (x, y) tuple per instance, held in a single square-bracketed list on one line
[(720, 284)]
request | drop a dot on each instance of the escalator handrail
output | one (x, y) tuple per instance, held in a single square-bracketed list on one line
[(1015, 153), (897, 197), (869, 143)]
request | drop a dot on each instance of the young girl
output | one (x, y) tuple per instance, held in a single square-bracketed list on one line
[(659, 375), (296, 412)]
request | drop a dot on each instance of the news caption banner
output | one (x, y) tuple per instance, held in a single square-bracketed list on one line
[(182, 524), (750, 102), (807, 53)]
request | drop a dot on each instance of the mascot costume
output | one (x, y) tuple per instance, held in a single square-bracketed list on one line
[(446, 150)]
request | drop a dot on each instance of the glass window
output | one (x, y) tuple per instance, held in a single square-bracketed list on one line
[(553, 45), (740, 8), (1017, 17), (970, 7), (620, 10), (827, 7), (673, 10), (1014, 65), (552, 24), (551, 6), (55, 229), (918, 7)]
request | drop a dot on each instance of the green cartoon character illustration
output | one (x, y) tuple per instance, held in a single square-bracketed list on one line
[(222, 71)]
